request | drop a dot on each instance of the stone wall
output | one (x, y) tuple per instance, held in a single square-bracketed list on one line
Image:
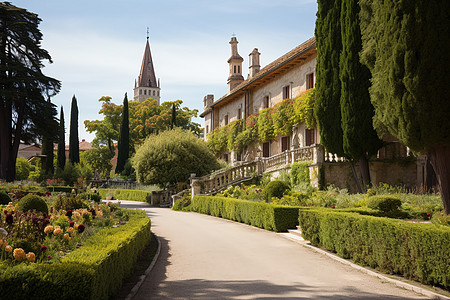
[(395, 172)]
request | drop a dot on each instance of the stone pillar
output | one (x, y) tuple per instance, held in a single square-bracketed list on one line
[(318, 154)]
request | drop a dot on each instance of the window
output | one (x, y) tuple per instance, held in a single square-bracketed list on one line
[(310, 137), (154, 93), (239, 113), (157, 93), (140, 92), (239, 69), (226, 120), (266, 149), (266, 102), (207, 128), (285, 143), (145, 92), (286, 92), (309, 81), (235, 69)]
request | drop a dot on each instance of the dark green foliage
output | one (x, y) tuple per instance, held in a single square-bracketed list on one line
[(23, 168), (62, 189), (61, 142), (171, 157), (276, 189), (99, 159), (69, 202), (416, 251), (300, 172), (124, 139), (128, 171), (74, 142), (328, 87), (262, 215), (134, 195), (405, 45), (94, 271), (90, 196), (69, 174), (384, 203), (24, 113), (4, 198), (183, 202), (30, 202), (356, 110)]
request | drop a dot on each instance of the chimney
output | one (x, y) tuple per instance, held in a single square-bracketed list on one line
[(254, 62), (208, 100)]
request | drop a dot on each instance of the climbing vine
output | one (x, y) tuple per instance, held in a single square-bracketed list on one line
[(265, 125)]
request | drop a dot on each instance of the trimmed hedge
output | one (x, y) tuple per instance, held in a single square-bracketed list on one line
[(133, 195), (262, 215), (414, 250), (93, 271)]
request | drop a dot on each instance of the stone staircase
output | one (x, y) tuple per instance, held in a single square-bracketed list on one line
[(294, 234)]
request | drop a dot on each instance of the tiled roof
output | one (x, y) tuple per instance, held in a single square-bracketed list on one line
[(147, 75), (273, 66)]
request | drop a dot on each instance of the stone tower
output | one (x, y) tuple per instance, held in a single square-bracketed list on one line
[(146, 85), (235, 63)]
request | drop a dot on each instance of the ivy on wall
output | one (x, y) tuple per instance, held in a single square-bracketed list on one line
[(265, 125)]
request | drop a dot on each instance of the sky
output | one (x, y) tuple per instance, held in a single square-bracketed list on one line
[(97, 45)]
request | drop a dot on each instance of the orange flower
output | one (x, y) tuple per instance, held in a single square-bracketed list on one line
[(19, 254), (48, 229), (31, 257)]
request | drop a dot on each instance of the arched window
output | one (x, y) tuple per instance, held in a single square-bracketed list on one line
[(235, 69), (239, 69)]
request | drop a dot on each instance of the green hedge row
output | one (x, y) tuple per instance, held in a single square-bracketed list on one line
[(413, 250), (93, 271), (259, 214), (134, 195)]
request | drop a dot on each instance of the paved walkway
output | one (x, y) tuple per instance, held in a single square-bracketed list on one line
[(203, 257)]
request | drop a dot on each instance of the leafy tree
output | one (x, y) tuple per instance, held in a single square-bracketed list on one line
[(174, 117), (124, 139), (24, 113), (74, 142), (61, 142), (360, 140), (406, 47), (145, 118), (171, 156), (327, 108), (23, 168), (98, 159)]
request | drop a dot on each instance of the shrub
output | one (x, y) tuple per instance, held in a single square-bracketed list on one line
[(89, 196), (134, 195), (414, 250), (384, 203), (30, 202), (275, 188), (182, 202), (69, 202), (300, 172), (23, 168), (259, 214), (4, 198)]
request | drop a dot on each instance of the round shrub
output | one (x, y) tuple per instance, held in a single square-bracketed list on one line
[(4, 198), (384, 203), (30, 202), (275, 188)]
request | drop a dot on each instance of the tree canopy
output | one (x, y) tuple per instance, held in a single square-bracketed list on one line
[(171, 156), (145, 118), (24, 112)]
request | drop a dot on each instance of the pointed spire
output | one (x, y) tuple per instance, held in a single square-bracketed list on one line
[(147, 75)]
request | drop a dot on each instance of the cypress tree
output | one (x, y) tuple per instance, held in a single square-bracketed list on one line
[(47, 150), (174, 117), (406, 46), (61, 162), (74, 144), (124, 139), (328, 86), (360, 140)]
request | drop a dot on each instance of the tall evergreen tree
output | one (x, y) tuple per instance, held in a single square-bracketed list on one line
[(360, 140), (124, 138), (24, 112), (328, 86), (74, 143), (61, 162), (406, 46), (47, 150), (174, 117)]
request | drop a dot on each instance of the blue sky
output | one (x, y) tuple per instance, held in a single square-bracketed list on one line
[(97, 45)]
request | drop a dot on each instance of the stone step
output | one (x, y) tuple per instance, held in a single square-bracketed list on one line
[(295, 232)]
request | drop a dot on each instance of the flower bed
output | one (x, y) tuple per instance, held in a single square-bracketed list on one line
[(93, 271), (262, 215), (416, 251)]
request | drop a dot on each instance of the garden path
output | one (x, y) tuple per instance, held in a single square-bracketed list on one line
[(204, 257)]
